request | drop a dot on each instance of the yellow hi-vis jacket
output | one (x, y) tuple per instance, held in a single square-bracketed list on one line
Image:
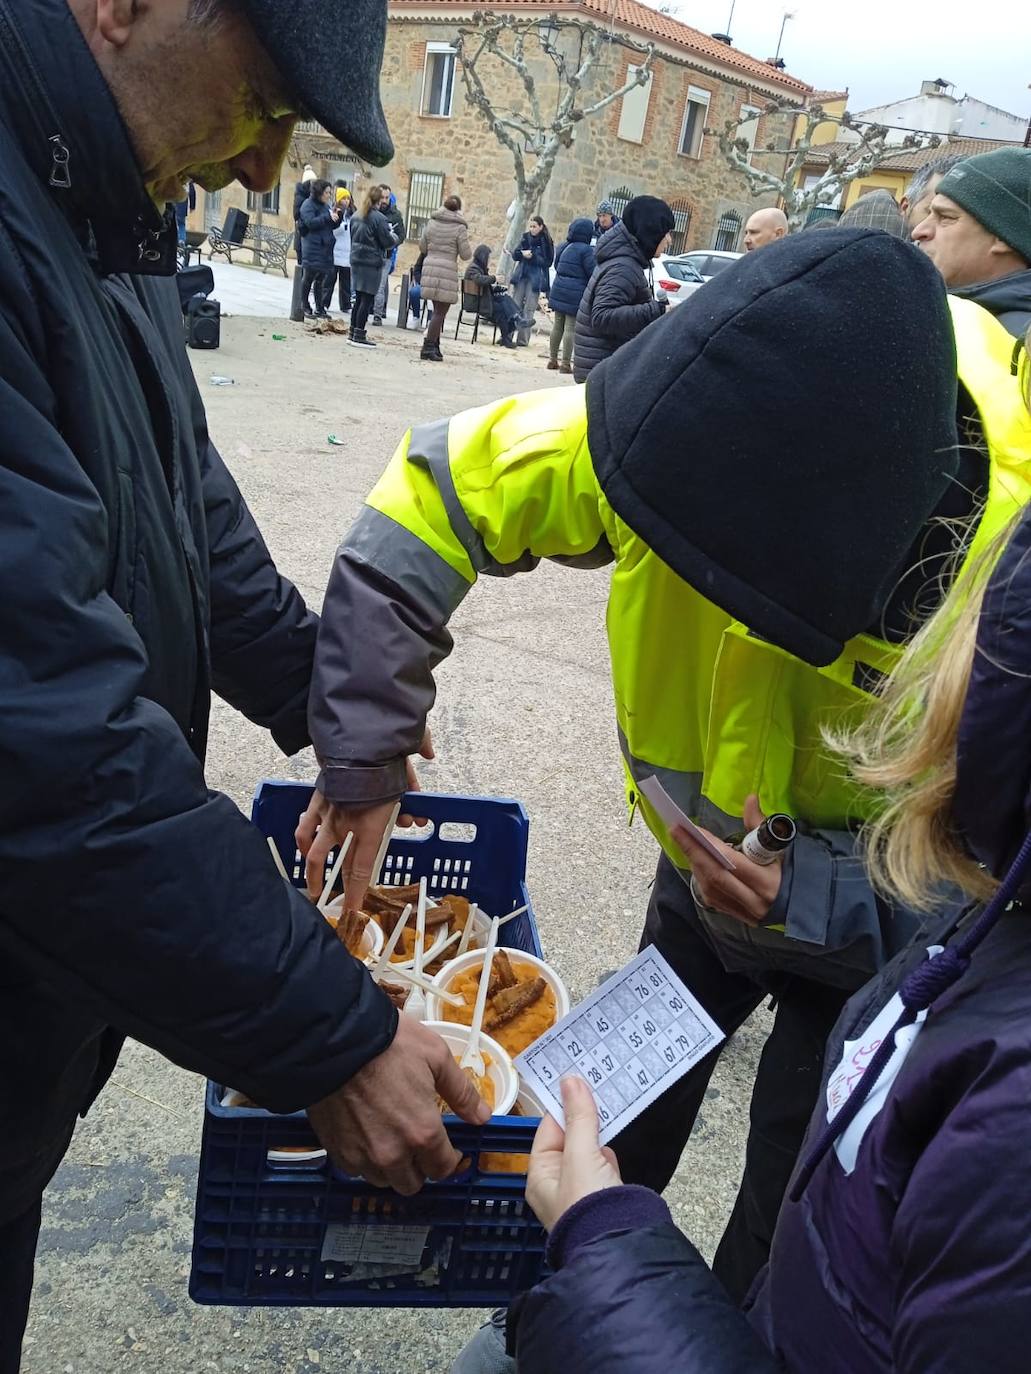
[(715, 712)]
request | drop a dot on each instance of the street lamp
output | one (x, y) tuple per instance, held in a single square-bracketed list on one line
[(788, 14)]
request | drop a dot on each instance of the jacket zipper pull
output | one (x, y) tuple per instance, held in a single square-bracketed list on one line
[(60, 157)]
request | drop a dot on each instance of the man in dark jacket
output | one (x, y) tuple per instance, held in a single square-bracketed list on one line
[(301, 191), (393, 216), (606, 218), (978, 233), (619, 302), (132, 899)]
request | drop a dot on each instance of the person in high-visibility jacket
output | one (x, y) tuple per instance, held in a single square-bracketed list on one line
[(759, 469)]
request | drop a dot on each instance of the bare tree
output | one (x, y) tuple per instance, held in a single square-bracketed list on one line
[(534, 136), (845, 164)]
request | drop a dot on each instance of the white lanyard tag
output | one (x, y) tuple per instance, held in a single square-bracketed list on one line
[(855, 1057)]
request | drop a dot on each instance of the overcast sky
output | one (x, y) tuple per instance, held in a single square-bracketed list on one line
[(882, 49)]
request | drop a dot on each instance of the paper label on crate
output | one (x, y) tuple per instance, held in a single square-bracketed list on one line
[(399, 1246), (633, 1038)]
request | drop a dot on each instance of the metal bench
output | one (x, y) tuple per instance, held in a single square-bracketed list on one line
[(270, 245)]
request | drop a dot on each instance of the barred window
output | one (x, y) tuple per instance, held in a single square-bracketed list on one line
[(620, 199), (727, 232), (425, 193), (681, 225)]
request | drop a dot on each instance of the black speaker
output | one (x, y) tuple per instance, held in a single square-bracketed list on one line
[(235, 226), (203, 323), (193, 281)]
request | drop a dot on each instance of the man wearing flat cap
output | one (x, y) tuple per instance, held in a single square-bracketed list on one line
[(133, 900)]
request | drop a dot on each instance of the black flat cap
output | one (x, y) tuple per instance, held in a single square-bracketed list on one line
[(329, 53)]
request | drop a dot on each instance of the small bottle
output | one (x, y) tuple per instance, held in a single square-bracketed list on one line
[(769, 840)]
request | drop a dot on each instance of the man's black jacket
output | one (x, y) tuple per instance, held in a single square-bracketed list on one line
[(132, 899)]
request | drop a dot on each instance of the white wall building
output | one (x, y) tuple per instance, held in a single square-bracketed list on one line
[(937, 110)]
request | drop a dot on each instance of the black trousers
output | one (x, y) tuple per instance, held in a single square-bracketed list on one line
[(17, 1254), (362, 309), (786, 1086), (320, 283), (343, 277)]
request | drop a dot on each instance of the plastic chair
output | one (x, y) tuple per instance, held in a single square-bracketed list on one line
[(472, 293)]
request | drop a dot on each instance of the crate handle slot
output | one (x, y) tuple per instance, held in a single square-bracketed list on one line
[(458, 832), (289, 1160)]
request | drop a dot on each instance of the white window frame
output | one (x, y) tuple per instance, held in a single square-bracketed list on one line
[(633, 114), (749, 113), (432, 50), (696, 95)]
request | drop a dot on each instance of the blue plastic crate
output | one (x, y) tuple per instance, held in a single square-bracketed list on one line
[(305, 1235)]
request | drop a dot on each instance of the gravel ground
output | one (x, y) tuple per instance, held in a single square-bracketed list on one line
[(524, 710)]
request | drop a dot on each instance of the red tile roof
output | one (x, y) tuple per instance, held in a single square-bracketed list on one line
[(909, 159), (631, 14), (824, 97)]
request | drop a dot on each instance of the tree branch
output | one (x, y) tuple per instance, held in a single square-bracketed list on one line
[(506, 38), (868, 152)]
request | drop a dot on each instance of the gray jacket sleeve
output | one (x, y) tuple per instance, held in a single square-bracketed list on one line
[(828, 907), (383, 631), (384, 626)]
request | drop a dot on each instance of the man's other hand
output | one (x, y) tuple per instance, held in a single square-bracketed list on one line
[(385, 1125)]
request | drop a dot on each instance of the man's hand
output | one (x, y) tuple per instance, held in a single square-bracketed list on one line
[(565, 1167), (746, 894), (385, 1125), (324, 825)]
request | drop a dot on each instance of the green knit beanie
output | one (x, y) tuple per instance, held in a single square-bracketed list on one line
[(996, 189)]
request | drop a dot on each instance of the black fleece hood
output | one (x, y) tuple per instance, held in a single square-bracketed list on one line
[(781, 439), (649, 220)]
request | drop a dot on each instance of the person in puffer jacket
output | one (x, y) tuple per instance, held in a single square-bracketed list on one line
[(574, 267), (904, 1244), (619, 302)]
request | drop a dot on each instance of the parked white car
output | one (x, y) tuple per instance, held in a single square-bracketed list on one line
[(709, 262), (674, 279)]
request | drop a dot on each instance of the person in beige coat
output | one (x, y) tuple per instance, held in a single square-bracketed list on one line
[(445, 239)]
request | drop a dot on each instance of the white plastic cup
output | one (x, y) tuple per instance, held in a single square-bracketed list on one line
[(501, 1070), (528, 1102), (371, 946), (473, 958)]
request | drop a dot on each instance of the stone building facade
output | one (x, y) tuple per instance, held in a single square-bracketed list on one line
[(651, 141)]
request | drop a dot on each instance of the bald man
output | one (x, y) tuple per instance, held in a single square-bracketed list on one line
[(765, 226)]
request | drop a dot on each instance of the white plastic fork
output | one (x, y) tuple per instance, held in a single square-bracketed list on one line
[(472, 1058)]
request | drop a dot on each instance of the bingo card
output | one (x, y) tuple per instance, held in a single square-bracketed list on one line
[(631, 1040)]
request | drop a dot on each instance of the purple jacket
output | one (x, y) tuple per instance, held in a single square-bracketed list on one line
[(919, 1260)]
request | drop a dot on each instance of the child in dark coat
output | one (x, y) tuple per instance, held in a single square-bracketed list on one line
[(574, 267)]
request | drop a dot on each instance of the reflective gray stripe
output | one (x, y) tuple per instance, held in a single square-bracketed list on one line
[(686, 791), (381, 543), (429, 448)]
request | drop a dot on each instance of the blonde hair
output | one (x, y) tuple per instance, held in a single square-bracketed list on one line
[(371, 200), (906, 746)]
